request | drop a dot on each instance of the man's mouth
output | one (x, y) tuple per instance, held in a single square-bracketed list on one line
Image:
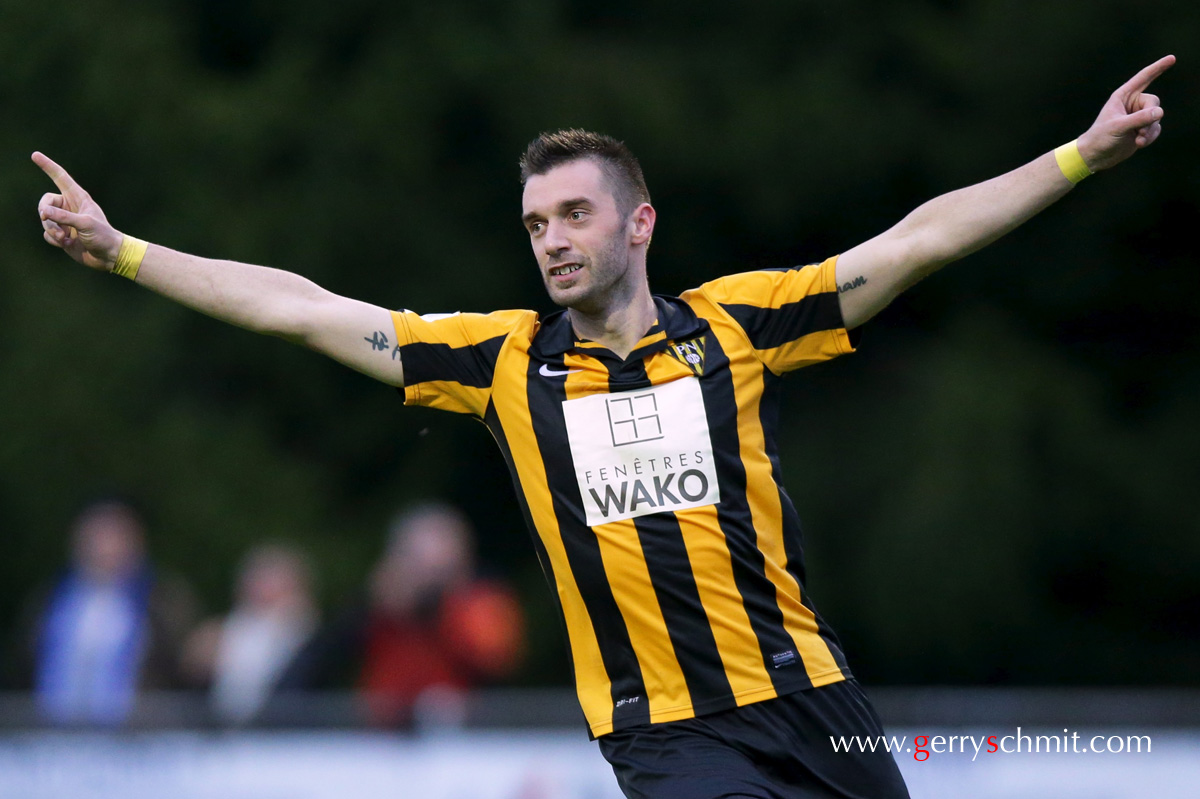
[(564, 269)]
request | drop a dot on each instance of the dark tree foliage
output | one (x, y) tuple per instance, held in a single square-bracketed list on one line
[(1000, 487)]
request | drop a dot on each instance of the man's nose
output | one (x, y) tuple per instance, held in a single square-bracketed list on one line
[(555, 241)]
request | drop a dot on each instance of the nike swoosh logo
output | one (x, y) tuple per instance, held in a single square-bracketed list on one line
[(546, 371)]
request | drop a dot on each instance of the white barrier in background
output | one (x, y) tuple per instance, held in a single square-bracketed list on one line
[(507, 765), (303, 765)]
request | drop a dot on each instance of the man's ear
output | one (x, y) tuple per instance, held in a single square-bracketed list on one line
[(641, 224)]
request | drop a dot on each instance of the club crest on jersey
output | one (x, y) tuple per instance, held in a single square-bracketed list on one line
[(689, 353)]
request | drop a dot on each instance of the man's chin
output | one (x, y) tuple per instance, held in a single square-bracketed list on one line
[(568, 296)]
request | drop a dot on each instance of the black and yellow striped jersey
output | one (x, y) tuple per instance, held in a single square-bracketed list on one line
[(652, 485)]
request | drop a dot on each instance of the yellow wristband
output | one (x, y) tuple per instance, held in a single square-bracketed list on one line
[(1071, 162), (129, 257)]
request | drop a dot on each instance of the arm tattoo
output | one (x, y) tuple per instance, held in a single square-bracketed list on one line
[(378, 342), (858, 281), (396, 353)]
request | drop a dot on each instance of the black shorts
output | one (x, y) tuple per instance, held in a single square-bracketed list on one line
[(777, 749)]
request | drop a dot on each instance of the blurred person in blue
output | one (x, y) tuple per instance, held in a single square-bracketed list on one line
[(241, 657), (641, 434), (109, 627)]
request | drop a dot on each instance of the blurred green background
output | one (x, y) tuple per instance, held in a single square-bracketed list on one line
[(999, 488)]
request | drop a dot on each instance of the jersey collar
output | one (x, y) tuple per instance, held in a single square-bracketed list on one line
[(676, 320)]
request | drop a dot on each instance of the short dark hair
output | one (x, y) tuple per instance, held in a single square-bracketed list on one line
[(620, 167)]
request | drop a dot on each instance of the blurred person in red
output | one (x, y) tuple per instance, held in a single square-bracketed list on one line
[(109, 626), (433, 623), (429, 629), (240, 657)]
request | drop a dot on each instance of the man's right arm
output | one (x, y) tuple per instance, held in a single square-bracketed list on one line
[(256, 298)]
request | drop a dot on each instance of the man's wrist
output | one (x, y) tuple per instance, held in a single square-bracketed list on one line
[(1087, 151), (1072, 162), (129, 257)]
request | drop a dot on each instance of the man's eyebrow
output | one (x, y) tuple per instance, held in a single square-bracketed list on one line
[(563, 206), (568, 204)]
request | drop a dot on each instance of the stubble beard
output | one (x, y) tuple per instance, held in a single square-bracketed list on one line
[(604, 274)]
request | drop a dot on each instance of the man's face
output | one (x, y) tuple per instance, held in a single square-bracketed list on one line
[(108, 543), (580, 239)]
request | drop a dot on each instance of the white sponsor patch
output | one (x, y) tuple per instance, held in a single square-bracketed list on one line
[(641, 452)]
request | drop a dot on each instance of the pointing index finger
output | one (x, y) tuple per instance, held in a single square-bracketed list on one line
[(1141, 81), (66, 184)]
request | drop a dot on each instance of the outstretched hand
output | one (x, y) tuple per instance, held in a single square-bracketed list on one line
[(72, 221), (1129, 121)]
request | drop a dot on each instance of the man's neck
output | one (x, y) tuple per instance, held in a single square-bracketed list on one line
[(617, 328)]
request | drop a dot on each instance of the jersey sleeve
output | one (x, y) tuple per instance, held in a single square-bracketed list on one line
[(791, 316), (449, 360)]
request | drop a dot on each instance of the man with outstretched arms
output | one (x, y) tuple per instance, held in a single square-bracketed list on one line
[(640, 433)]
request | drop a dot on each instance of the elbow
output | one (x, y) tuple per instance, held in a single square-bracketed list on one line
[(296, 316), (927, 253), (919, 253), (277, 323), (296, 329)]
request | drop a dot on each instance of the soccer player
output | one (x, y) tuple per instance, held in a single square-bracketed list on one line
[(640, 433)]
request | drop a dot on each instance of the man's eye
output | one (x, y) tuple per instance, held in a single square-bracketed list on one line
[(536, 228), (576, 216)]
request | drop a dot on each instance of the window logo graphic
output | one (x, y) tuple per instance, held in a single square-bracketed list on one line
[(633, 419), (656, 458)]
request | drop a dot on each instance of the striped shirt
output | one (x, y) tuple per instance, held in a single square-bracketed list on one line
[(652, 485)]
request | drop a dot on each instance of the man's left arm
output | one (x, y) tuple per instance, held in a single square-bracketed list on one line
[(953, 225)]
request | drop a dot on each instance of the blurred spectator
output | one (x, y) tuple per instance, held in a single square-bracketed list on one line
[(108, 627), (430, 628), (242, 656)]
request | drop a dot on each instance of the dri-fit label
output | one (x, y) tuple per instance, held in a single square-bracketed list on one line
[(644, 451)]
